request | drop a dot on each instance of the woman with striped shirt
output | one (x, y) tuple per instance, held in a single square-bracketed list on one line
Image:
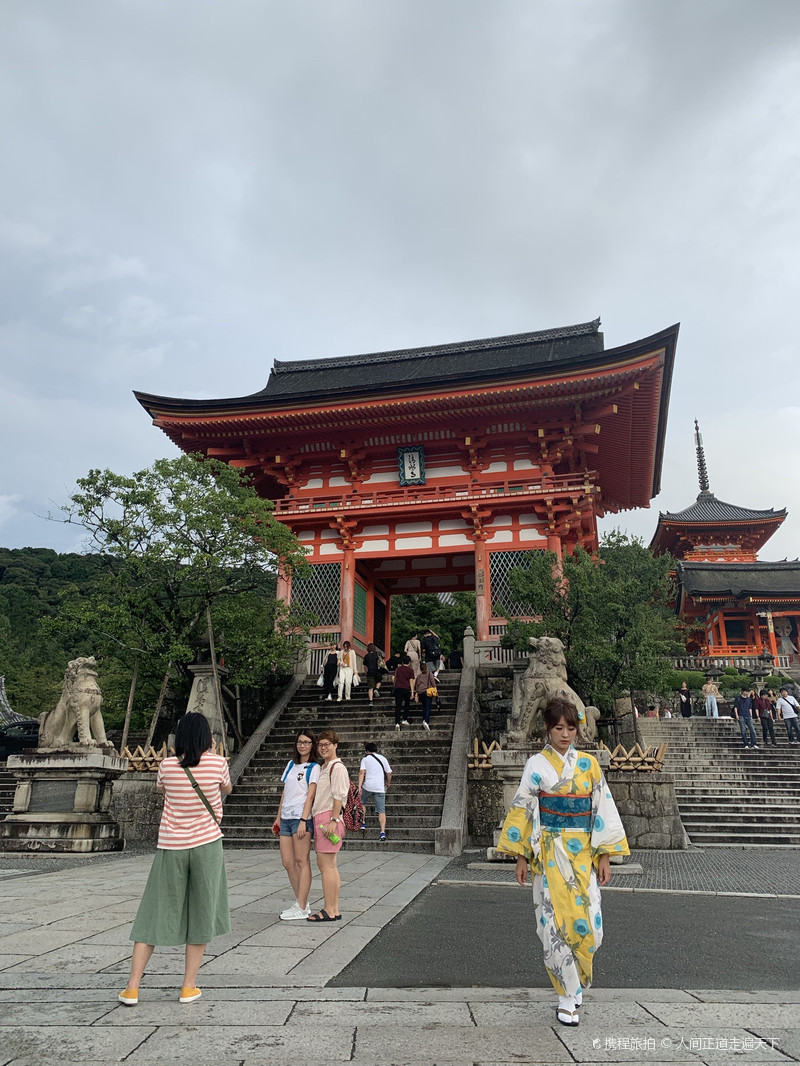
[(185, 901)]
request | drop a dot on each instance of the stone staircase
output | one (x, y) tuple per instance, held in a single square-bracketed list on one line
[(728, 796), (419, 762)]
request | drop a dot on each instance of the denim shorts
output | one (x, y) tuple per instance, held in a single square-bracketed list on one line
[(377, 798), (289, 826)]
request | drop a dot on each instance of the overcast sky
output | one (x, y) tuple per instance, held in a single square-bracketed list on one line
[(192, 189)]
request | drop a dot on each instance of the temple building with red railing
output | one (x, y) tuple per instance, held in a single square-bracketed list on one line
[(437, 469), (736, 608)]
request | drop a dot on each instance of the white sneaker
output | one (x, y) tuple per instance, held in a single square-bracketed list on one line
[(295, 913), (397, 729), (406, 722), (426, 726), (329, 697)]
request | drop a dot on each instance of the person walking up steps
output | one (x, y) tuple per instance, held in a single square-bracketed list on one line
[(787, 706), (348, 668), (763, 708), (743, 713), (374, 778), (403, 680)]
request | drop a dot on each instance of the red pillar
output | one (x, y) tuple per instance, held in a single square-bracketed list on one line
[(284, 590), (483, 591), (387, 629), (347, 594)]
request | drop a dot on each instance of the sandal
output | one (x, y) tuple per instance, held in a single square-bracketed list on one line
[(567, 1017), (321, 916)]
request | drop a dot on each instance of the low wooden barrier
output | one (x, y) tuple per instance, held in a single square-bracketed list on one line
[(481, 758), (643, 760)]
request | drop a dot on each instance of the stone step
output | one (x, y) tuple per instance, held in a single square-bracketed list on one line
[(409, 821), (352, 843)]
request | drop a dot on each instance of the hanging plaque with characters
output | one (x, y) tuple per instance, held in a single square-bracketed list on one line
[(411, 462)]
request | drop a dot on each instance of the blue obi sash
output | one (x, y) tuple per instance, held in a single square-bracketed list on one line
[(565, 812)]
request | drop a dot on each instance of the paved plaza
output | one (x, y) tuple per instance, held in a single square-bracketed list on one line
[(273, 991)]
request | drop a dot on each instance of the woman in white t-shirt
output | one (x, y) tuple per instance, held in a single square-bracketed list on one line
[(299, 788)]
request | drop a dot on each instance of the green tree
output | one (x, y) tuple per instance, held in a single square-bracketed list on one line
[(427, 611), (614, 615), (182, 538)]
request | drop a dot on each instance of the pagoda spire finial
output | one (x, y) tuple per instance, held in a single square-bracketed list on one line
[(702, 471)]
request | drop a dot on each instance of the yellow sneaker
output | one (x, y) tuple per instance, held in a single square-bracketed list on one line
[(189, 995), (129, 996)]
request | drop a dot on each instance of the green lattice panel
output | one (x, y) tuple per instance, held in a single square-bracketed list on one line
[(500, 566), (360, 609), (319, 593)]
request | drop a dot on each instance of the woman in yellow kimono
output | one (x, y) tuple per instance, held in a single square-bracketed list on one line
[(563, 822)]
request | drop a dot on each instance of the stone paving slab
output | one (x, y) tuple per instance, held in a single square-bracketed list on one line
[(71, 1043), (430, 1044), (231, 1043), (239, 1012)]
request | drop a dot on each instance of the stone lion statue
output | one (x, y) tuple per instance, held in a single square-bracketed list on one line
[(546, 679), (77, 710)]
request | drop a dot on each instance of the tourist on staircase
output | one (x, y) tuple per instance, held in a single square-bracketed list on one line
[(426, 692), (743, 713), (348, 669), (332, 789), (374, 778), (763, 708), (788, 707), (413, 650), (685, 700), (372, 668), (431, 651), (403, 680), (299, 788), (329, 671), (711, 692)]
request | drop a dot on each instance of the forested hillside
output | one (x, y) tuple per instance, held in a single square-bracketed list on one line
[(33, 653)]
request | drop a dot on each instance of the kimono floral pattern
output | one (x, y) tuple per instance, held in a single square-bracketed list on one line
[(563, 856)]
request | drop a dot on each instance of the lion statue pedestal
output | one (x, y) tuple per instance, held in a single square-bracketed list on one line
[(64, 786), (544, 679)]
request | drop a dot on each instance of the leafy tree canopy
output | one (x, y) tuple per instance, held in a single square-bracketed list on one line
[(448, 618), (613, 614)]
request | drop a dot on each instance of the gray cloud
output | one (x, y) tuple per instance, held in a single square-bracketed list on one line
[(191, 190)]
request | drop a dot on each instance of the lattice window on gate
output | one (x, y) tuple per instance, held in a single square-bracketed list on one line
[(504, 601), (319, 592)]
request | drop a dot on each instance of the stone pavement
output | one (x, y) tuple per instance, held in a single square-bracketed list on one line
[(64, 953)]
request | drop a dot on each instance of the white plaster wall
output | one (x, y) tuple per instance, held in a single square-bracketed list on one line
[(374, 546), (376, 531), (524, 464), (530, 534), (329, 549), (414, 542), (528, 520), (413, 527), (498, 467), (307, 534), (502, 536), (452, 540), (444, 471), (314, 483), (382, 476), (452, 523), (329, 534), (338, 482), (501, 520)]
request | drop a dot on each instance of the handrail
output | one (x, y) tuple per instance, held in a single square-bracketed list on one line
[(450, 835), (240, 763), (435, 493)]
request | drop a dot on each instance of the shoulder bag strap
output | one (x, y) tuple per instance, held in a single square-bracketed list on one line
[(380, 763), (200, 794)]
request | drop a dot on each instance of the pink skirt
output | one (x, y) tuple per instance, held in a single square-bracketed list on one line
[(321, 842)]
